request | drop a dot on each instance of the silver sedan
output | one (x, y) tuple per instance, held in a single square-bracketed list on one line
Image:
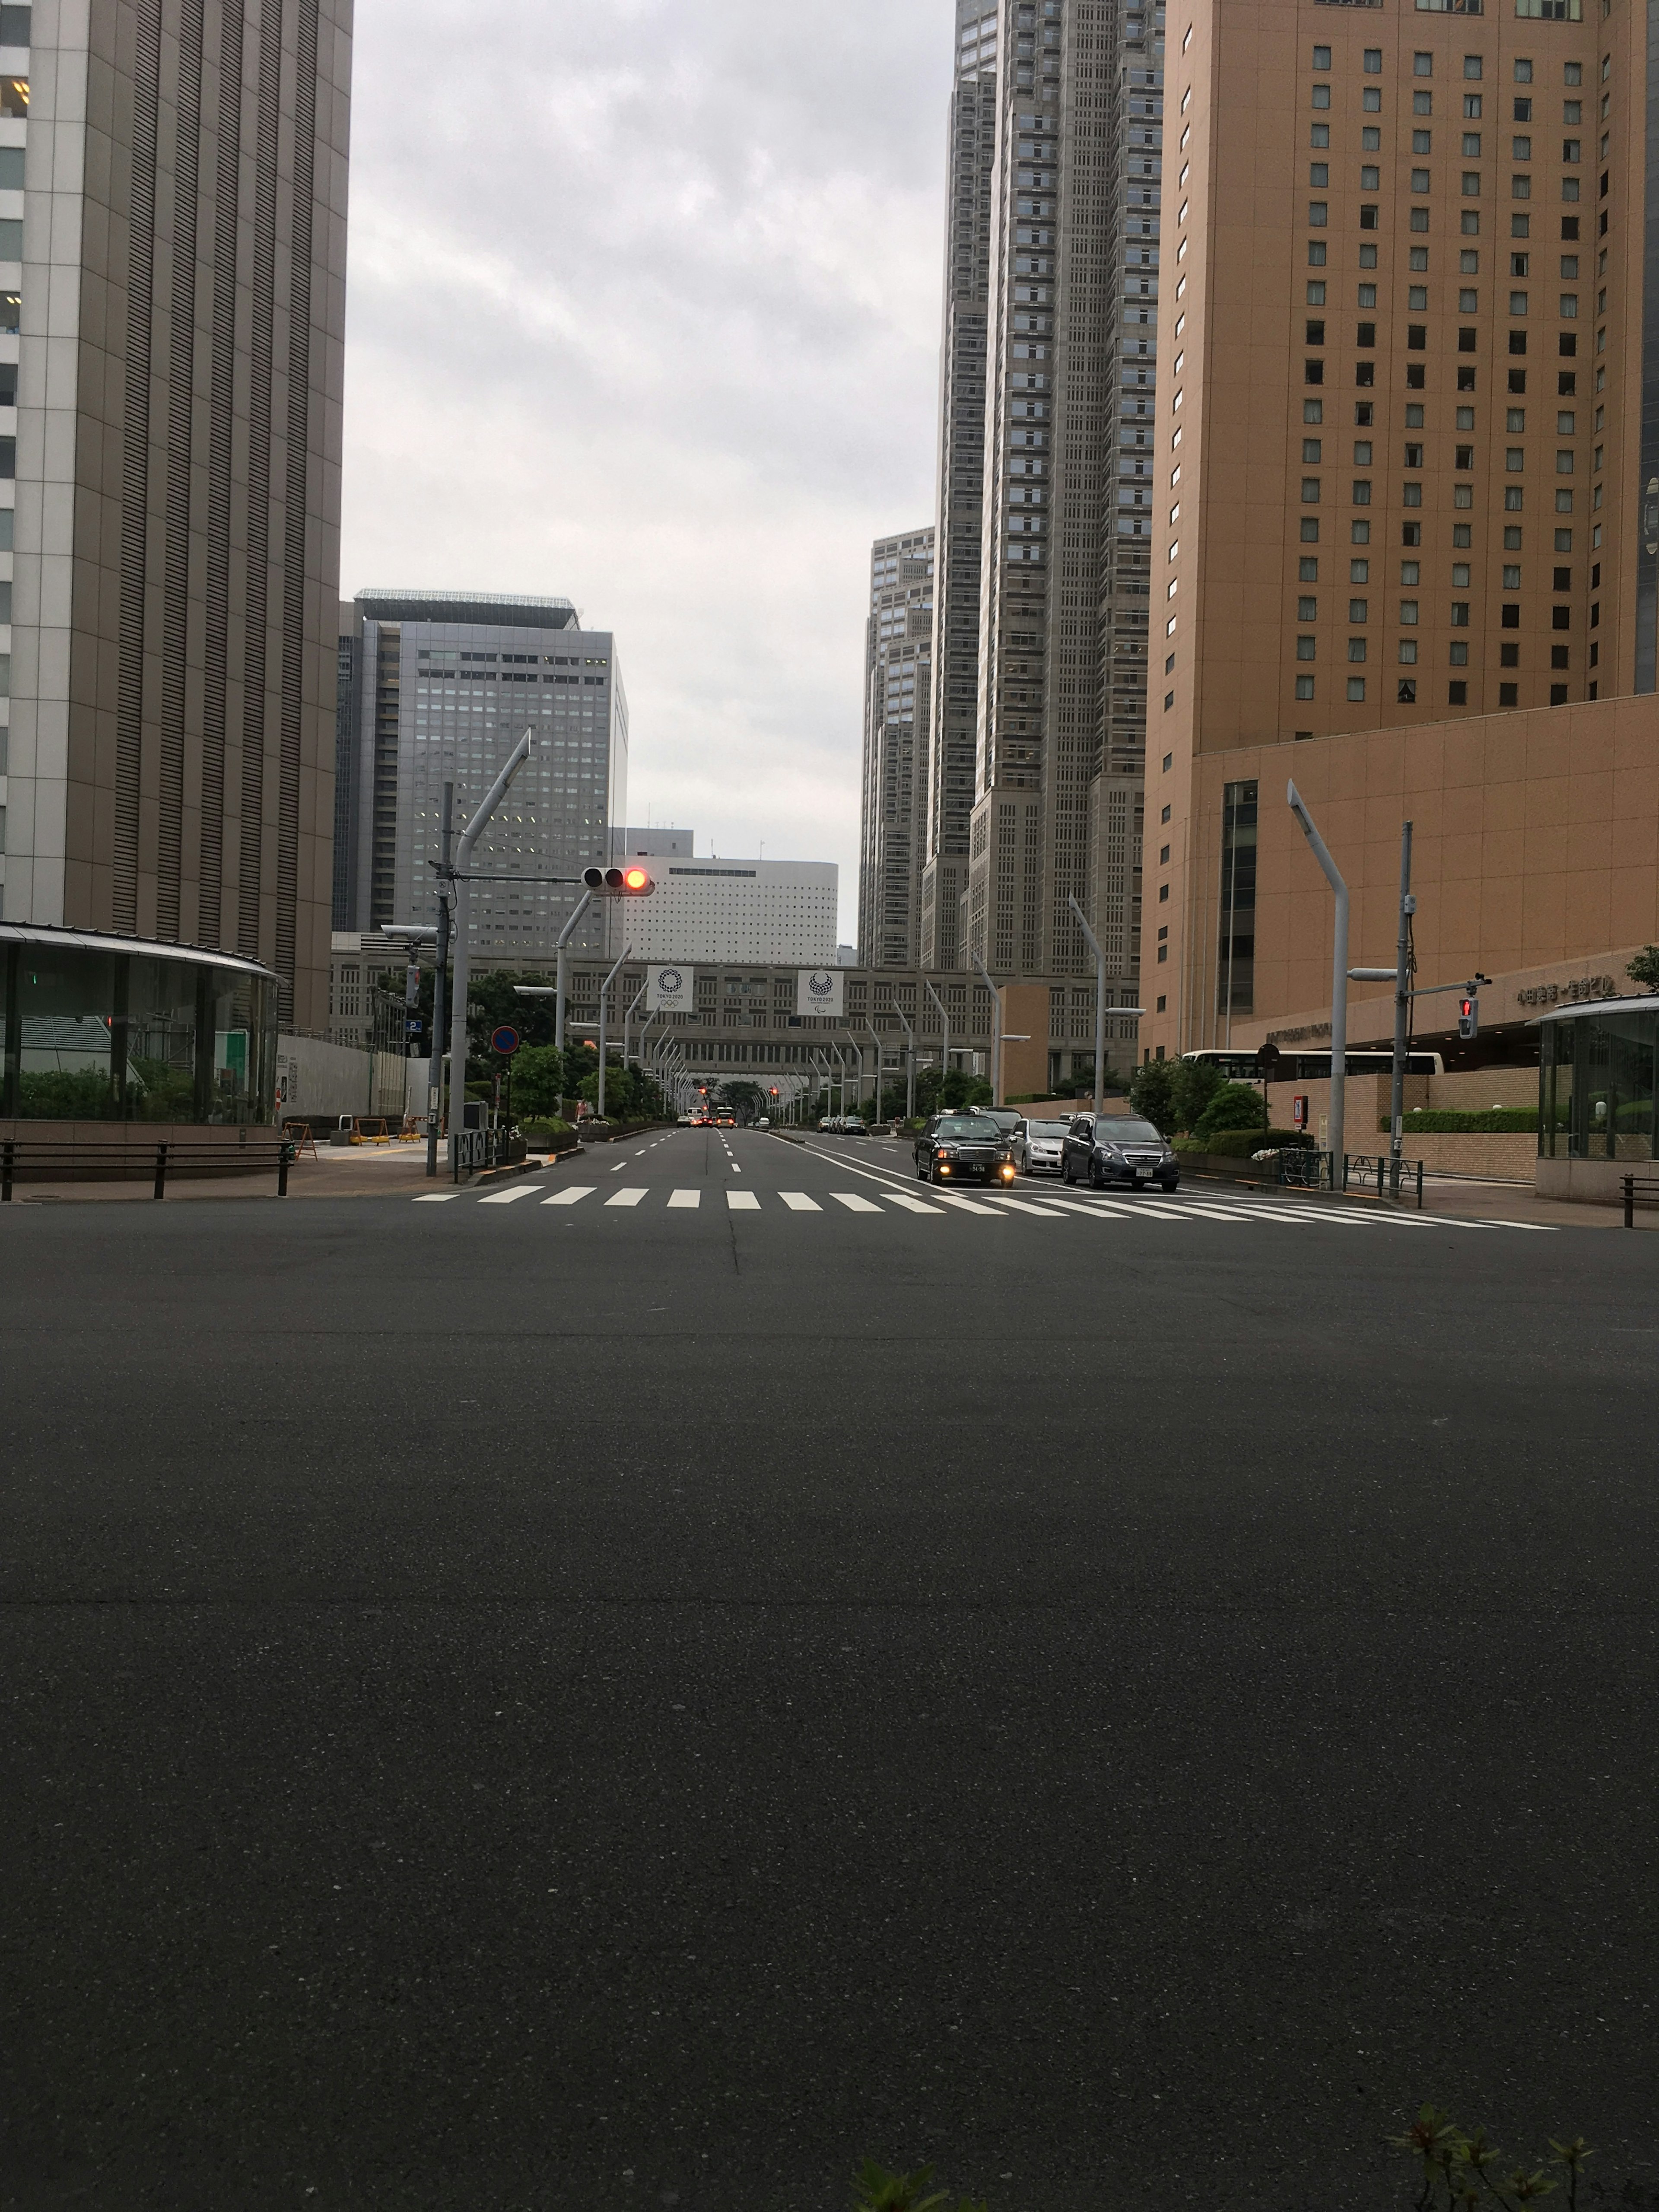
[(1037, 1146)]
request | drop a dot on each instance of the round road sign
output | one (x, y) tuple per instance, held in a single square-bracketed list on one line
[(504, 1039)]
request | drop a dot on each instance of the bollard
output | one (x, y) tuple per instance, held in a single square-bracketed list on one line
[(160, 1170), (1629, 1202), (283, 1156)]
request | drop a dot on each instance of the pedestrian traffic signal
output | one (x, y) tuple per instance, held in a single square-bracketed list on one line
[(619, 883), (1469, 1016)]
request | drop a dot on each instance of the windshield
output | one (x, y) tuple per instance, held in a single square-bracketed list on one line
[(999, 1117), (1054, 1130), (964, 1128), (1116, 1129)]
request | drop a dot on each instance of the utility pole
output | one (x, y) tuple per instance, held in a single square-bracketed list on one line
[(1100, 1005), (1402, 1001), (605, 1002), (945, 1033), (1339, 986), (910, 1067), (434, 1074), (996, 1029), (474, 829)]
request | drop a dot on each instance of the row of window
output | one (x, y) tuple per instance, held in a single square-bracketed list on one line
[(1473, 68), (1371, 174), (1458, 694), (1358, 611)]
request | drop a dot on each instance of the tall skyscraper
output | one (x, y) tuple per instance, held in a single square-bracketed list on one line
[(172, 196), (443, 684), (897, 702), (1405, 474), (950, 787), (1071, 342)]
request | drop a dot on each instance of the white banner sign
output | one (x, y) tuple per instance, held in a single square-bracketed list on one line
[(670, 990), (818, 991)]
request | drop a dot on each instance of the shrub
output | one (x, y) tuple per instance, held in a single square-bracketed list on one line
[(543, 1126), (1443, 1118), (1234, 1106)]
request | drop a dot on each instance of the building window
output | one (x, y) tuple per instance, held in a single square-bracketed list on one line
[(1304, 687), (1356, 688), (1236, 960)]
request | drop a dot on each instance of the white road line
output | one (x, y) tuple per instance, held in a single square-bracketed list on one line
[(968, 1205), (620, 1165), (914, 1205), (569, 1195), (742, 1202), (626, 1197), (853, 1202), (436, 1197), (797, 1202), (735, 1169), (693, 1198), (1022, 1206), (508, 1197)]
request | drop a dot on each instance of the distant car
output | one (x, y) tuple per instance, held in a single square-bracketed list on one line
[(687, 1121), (726, 1121), (1108, 1149), (851, 1126), (962, 1148), (1006, 1120), (1037, 1146), (764, 1122)]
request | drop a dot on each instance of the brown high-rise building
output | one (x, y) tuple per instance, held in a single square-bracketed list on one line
[(173, 187), (1402, 468)]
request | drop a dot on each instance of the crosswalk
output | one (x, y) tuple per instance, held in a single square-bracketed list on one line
[(885, 1198)]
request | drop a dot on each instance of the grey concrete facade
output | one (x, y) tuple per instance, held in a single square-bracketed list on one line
[(960, 519), (898, 705), (442, 685), (1061, 660), (169, 767)]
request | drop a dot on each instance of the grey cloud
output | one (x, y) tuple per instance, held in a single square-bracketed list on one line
[(644, 308)]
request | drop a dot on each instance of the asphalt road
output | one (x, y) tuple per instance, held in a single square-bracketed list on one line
[(639, 1704)]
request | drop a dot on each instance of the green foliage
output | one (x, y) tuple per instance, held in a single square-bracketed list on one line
[(1490, 1117), (549, 1128), (1467, 2167), (1645, 968), (877, 2191), (1152, 1094), (539, 1081), (935, 1094), (1231, 1106), (1194, 1085), (1240, 1144), (54, 1094)]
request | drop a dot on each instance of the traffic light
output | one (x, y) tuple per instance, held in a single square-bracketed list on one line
[(632, 882), (1468, 1015)]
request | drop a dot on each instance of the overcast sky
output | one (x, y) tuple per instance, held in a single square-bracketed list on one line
[(644, 310)]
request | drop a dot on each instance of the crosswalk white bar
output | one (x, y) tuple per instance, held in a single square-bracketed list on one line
[(797, 1202), (627, 1197), (571, 1193), (436, 1197), (688, 1198), (969, 1205), (853, 1202), (1022, 1206), (742, 1202), (507, 1197), (914, 1205)]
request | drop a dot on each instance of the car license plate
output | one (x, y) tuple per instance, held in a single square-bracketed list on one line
[(1143, 1175)]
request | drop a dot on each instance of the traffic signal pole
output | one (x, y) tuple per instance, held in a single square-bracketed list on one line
[(1100, 1005), (434, 1074), (561, 972), (944, 1034), (910, 1068), (605, 1002), (996, 1029)]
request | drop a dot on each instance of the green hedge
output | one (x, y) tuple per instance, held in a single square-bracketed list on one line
[(1442, 1118), (1241, 1143)]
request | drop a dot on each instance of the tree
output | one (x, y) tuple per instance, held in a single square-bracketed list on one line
[(1645, 968), (1152, 1094), (937, 1094), (1193, 1084)]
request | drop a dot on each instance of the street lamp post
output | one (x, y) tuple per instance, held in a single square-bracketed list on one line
[(996, 1029), (1100, 1004), (1337, 1132), (605, 1002), (945, 1030), (909, 1066), (474, 829)]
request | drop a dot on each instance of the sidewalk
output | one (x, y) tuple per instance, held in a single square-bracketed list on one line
[(337, 1171), (1462, 1197)]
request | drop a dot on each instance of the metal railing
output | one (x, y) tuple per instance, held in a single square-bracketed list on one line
[(34, 1159), (1393, 1178), (1638, 1190)]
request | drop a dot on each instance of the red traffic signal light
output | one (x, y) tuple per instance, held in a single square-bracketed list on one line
[(1468, 1016), (619, 883)]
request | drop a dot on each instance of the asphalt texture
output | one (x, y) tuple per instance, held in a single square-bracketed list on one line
[(634, 1706)]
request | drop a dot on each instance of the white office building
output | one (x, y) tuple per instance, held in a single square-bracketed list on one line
[(716, 910)]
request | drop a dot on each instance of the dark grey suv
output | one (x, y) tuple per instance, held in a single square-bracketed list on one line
[(962, 1148), (1103, 1149)]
